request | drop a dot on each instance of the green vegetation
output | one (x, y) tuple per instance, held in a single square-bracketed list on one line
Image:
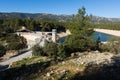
[(81, 23), (37, 50), (2, 50), (81, 28), (15, 42), (12, 42), (63, 51), (28, 61), (50, 49), (112, 26), (77, 43), (12, 25), (112, 46)]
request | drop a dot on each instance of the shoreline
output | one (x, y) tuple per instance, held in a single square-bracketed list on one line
[(109, 32)]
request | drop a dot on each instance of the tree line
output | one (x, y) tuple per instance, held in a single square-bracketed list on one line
[(12, 25), (112, 26)]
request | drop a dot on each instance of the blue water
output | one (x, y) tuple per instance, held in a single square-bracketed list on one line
[(103, 37), (61, 40)]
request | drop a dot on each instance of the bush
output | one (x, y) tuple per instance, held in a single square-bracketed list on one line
[(63, 51), (112, 46), (50, 49), (9, 30), (15, 46), (104, 47), (15, 42), (78, 43), (2, 50), (37, 50)]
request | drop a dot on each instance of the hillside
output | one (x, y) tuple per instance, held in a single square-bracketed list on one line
[(40, 16), (97, 19), (83, 66), (60, 18)]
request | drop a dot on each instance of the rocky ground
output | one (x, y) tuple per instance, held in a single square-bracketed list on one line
[(92, 57), (42, 69), (77, 63)]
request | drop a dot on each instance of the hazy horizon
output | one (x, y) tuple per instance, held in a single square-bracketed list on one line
[(102, 8)]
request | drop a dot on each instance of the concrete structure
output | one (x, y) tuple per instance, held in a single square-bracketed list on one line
[(54, 35), (38, 37), (34, 38)]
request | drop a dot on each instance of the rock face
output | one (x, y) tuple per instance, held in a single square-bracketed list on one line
[(93, 57)]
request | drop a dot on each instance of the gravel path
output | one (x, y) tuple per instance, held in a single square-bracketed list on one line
[(15, 58)]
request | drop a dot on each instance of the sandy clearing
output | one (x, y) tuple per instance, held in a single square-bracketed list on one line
[(110, 32), (64, 34)]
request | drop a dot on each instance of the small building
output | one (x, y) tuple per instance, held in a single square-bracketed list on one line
[(23, 29)]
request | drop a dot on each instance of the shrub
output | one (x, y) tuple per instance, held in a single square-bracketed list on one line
[(37, 50), (112, 46), (15, 46), (63, 51), (50, 49), (9, 30), (2, 50), (104, 47), (15, 42), (78, 43)]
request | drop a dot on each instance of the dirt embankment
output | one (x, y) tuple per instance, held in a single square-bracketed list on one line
[(110, 32)]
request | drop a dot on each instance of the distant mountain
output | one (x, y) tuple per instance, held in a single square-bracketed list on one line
[(60, 18), (40, 16), (97, 20)]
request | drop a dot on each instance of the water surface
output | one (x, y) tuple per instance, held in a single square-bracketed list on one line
[(103, 37)]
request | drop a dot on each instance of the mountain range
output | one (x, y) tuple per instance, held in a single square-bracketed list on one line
[(60, 18)]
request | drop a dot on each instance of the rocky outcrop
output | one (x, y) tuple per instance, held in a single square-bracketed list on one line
[(92, 57)]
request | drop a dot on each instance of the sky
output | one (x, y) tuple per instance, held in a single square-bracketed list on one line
[(103, 8)]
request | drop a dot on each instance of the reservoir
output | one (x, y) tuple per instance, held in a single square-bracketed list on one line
[(103, 37)]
